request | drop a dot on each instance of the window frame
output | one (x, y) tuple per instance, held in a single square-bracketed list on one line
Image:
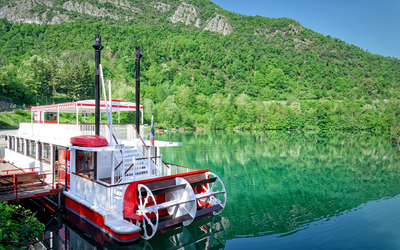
[(42, 150), (86, 172)]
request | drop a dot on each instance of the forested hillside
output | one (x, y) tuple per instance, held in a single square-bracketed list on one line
[(197, 74)]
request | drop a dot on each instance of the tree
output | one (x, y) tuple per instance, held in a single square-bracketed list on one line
[(18, 226)]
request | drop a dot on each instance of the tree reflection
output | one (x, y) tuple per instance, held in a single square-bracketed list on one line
[(278, 181)]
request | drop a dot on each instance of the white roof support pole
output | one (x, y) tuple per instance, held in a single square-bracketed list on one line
[(58, 115), (32, 122), (106, 103), (141, 111), (110, 113), (52, 165), (104, 92), (77, 121), (148, 163)]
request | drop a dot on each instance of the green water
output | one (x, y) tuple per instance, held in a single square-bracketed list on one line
[(291, 190)]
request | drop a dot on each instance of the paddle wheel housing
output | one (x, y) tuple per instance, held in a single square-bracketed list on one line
[(162, 204)]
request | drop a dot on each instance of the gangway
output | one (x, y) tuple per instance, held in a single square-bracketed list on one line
[(22, 183)]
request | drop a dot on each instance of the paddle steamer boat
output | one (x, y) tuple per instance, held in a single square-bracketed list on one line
[(115, 182)]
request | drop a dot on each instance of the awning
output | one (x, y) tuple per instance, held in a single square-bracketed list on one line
[(86, 106)]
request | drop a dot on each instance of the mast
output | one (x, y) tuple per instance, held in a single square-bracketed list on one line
[(97, 50), (137, 56)]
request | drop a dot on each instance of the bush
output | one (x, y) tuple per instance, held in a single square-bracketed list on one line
[(19, 112), (18, 226)]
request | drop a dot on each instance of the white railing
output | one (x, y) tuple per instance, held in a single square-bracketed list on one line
[(109, 198), (171, 169), (117, 170), (124, 132), (64, 131)]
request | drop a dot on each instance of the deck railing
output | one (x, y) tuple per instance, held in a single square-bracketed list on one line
[(107, 197), (23, 184), (52, 131)]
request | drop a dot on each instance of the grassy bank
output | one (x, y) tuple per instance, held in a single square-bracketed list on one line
[(11, 120)]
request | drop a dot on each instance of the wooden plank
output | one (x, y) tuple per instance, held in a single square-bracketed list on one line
[(21, 178), (195, 177), (166, 189), (160, 184), (202, 182), (28, 193), (21, 187)]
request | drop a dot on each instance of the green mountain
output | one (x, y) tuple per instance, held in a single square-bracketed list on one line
[(203, 66)]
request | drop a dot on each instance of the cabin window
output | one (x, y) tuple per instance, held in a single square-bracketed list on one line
[(46, 152), (85, 163), (20, 148), (12, 143), (32, 149), (50, 116)]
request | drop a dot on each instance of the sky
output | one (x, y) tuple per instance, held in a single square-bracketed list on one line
[(370, 25)]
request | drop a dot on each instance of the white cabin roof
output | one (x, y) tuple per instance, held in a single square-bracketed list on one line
[(86, 106)]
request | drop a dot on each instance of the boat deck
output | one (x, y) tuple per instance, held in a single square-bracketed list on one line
[(25, 193)]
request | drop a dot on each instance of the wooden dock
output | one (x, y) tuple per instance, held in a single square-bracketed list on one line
[(18, 183)]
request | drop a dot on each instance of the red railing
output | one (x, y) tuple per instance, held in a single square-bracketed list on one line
[(24, 181), (19, 169)]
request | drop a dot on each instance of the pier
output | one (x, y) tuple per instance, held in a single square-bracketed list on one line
[(22, 183)]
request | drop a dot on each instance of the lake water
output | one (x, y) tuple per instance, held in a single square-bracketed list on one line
[(289, 190), (301, 190)]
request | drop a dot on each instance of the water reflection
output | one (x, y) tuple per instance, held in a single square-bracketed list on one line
[(278, 182), (206, 233)]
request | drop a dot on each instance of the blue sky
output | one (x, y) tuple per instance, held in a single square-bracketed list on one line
[(372, 25)]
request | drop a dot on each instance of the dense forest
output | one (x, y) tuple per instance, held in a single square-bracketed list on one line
[(266, 74)]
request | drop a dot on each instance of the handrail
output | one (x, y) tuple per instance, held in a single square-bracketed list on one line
[(181, 166), (24, 172), (118, 165), (18, 169), (139, 136), (163, 162), (145, 158), (100, 183), (24, 175), (139, 159), (115, 139), (129, 168), (144, 144)]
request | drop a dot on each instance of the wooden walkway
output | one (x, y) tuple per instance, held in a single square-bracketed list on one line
[(27, 193), (16, 183)]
